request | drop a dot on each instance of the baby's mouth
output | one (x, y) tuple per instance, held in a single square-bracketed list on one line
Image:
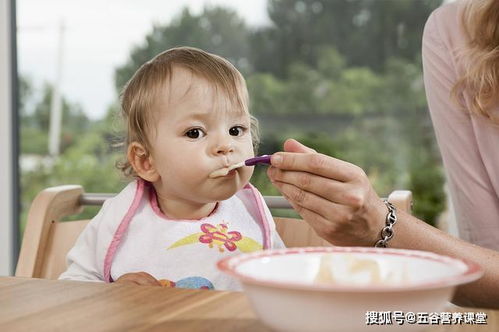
[(224, 171)]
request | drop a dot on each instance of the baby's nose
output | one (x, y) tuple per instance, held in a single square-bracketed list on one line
[(224, 148)]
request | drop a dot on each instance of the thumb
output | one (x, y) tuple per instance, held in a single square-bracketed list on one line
[(292, 145)]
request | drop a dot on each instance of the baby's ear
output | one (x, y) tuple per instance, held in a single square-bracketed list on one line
[(142, 162)]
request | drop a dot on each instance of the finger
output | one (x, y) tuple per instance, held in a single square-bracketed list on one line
[(324, 208), (139, 278), (147, 279), (333, 229), (323, 228), (316, 163), (130, 278), (331, 190), (292, 145), (126, 281)]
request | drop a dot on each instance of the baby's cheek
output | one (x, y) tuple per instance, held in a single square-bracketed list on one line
[(194, 173), (246, 174)]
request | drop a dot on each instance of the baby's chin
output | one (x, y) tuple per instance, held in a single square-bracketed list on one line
[(225, 192), (228, 194), (224, 189)]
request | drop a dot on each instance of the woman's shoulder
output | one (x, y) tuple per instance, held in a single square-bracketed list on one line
[(444, 26), (448, 11), (446, 17)]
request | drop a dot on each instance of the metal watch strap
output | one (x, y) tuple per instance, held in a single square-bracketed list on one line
[(387, 231)]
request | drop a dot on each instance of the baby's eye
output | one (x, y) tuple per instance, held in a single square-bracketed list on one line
[(194, 133), (237, 131)]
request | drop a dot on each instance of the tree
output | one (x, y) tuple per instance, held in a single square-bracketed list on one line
[(328, 88), (35, 124), (87, 156), (365, 32), (217, 30)]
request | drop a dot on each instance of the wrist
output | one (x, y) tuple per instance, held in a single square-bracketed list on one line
[(377, 221), (387, 232)]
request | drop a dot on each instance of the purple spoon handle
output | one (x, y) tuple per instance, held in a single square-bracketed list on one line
[(264, 159)]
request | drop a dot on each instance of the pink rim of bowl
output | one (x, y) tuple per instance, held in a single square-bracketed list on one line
[(471, 272)]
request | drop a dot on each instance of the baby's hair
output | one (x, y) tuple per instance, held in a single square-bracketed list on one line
[(139, 94)]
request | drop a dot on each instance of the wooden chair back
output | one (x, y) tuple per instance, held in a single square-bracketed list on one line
[(47, 239)]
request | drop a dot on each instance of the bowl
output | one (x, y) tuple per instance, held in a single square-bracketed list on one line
[(347, 289)]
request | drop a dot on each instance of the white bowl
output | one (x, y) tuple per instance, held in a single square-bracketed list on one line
[(336, 288)]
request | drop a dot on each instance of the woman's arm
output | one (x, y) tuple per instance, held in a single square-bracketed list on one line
[(468, 145), (412, 233), (338, 201)]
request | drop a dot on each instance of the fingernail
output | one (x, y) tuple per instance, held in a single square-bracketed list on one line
[(276, 160)]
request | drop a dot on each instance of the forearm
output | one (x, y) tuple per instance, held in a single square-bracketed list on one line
[(411, 233)]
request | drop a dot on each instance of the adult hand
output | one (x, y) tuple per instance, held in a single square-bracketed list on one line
[(139, 278), (335, 197)]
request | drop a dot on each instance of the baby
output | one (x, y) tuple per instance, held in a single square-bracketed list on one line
[(187, 118)]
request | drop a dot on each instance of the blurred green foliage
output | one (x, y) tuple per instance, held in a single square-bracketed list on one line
[(343, 77)]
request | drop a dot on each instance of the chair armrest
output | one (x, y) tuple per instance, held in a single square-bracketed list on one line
[(49, 206), (402, 199)]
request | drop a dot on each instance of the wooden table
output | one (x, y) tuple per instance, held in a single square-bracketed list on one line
[(51, 305)]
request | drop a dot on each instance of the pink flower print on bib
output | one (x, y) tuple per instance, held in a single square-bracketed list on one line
[(220, 237)]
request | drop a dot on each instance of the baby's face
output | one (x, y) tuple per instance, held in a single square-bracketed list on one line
[(199, 131)]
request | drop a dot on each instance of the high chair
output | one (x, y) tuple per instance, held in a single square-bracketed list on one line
[(47, 240)]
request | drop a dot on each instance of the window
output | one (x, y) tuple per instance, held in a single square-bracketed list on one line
[(345, 77)]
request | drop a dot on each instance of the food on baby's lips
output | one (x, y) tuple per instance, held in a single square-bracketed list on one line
[(348, 269), (219, 172), (225, 170), (263, 159)]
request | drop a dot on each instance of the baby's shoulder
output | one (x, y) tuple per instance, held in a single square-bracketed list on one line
[(114, 209)]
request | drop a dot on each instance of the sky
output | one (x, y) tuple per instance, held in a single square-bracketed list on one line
[(98, 36)]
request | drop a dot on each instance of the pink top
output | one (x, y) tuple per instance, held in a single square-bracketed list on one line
[(469, 144)]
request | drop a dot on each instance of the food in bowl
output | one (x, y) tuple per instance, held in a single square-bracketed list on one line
[(333, 288), (349, 269)]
